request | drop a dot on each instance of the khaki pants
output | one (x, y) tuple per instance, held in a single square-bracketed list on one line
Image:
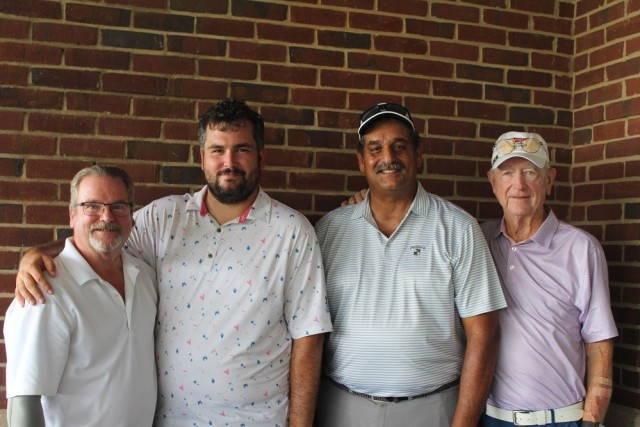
[(339, 408)]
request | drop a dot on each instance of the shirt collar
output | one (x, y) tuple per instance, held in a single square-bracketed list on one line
[(260, 210), (419, 206), (542, 236)]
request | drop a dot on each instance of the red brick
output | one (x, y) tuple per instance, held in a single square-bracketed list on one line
[(366, 61), (192, 88), (180, 131), (587, 192), (11, 167), (314, 138), (12, 120), (589, 41), (585, 7), (316, 181), (457, 89), (130, 127), (28, 144), (443, 30), (344, 39), (589, 153), (443, 166), (163, 108), (97, 102), (64, 33), (482, 110), (623, 232), (407, 7), (323, 57), (608, 131), (533, 6), (430, 68), (318, 97), (624, 148), (152, 4), (196, 45), (395, 83), (36, 191), (623, 28), (482, 34), (225, 27), (162, 152), (270, 94), (480, 73), (546, 24), (32, 9), (289, 158), (9, 260), (257, 51), (505, 18), (59, 123), (100, 59), (373, 22), (531, 41), (49, 214), (634, 126), (347, 79), (259, 10), (286, 115), (627, 68), (606, 172), (26, 236), (288, 74), (457, 128), (504, 57), (630, 190), (623, 109), (91, 147), (164, 21), (455, 13), (604, 93), (529, 78), (53, 169), (551, 62), (132, 83), (14, 29), (14, 75), (342, 161), (588, 116), (282, 33), (132, 39), (454, 50), (608, 54), (318, 17), (400, 45), (552, 99), (67, 79), (163, 64), (272, 179), (89, 14), (35, 54)]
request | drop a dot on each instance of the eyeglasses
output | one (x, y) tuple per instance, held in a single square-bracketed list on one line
[(386, 106), (96, 208), (528, 145)]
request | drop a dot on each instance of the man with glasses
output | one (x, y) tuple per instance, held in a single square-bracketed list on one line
[(242, 302), (86, 357), (413, 294), (558, 327)]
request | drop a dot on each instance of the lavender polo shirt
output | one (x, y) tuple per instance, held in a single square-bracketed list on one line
[(557, 293)]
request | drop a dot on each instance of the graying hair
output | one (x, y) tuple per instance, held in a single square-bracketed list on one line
[(103, 171)]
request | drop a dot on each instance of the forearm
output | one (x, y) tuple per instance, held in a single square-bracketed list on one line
[(477, 369), (25, 411), (599, 380), (306, 359)]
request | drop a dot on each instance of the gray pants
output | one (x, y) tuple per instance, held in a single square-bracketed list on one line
[(339, 408)]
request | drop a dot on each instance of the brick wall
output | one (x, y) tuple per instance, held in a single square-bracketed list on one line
[(123, 82)]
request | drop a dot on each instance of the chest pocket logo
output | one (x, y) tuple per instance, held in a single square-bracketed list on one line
[(416, 250)]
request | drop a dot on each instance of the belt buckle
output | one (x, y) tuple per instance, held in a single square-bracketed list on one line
[(515, 417)]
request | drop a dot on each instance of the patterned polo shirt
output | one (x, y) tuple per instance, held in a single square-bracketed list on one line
[(231, 299)]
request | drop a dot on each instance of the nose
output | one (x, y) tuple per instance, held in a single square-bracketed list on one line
[(520, 180), (106, 215), (229, 158)]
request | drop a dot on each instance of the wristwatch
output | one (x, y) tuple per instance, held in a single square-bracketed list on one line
[(591, 424)]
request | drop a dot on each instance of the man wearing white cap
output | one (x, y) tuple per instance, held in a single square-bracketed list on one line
[(413, 295), (558, 327)]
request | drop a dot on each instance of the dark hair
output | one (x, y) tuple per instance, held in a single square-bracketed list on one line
[(103, 171), (230, 112), (414, 136)]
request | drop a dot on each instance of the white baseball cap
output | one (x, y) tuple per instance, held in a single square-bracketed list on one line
[(528, 146)]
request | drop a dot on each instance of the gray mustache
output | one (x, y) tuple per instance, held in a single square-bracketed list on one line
[(393, 166), (105, 226)]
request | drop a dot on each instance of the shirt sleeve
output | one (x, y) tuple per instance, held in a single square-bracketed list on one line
[(306, 308), (37, 342)]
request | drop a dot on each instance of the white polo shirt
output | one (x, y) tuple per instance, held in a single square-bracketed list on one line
[(86, 351)]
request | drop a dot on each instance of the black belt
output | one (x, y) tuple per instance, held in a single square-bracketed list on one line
[(401, 398)]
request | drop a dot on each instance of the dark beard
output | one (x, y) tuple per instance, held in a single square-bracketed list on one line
[(237, 194)]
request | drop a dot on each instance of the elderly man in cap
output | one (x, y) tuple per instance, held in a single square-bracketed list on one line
[(558, 327), (413, 294)]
